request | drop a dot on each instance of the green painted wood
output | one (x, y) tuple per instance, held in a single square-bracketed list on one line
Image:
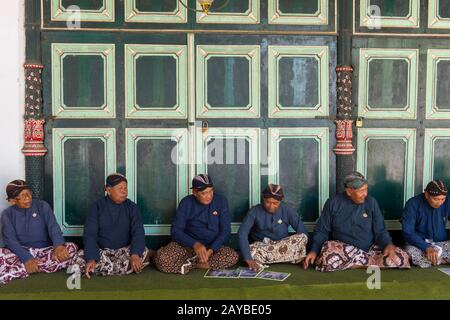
[(231, 78), (388, 84), (386, 156), (439, 14), (217, 58), (159, 11), (298, 82), (231, 176), (157, 170), (385, 163), (306, 182), (130, 37), (32, 32), (392, 14), (170, 60), (236, 12), (231, 85), (428, 86), (156, 82), (299, 7), (299, 173), (345, 33), (444, 9), (78, 170), (392, 8), (437, 93), (280, 86), (231, 172), (230, 6), (95, 10), (436, 164), (83, 81), (441, 167), (372, 85), (84, 170), (156, 5), (429, 19), (85, 89), (143, 170), (442, 84), (312, 12), (94, 5)]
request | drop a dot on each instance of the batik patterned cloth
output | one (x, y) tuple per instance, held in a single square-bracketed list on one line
[(112, 262), (419, 258), (336, 255), (290, 249), (174, 258), (12, 268)]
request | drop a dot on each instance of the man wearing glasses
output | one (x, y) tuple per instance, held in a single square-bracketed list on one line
[(33, 239)]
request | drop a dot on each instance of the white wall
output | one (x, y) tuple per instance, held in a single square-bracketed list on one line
[(12, 56)]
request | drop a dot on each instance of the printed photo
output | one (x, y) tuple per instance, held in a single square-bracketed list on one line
[(276, 276), (224, 273)]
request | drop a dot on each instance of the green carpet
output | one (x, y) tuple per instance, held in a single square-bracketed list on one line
[(151, 284)]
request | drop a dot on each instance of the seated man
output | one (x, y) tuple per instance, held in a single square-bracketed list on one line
[(200, 229), (424, 220), (114, 238), (33, 239), (268, 224), (354, 224)]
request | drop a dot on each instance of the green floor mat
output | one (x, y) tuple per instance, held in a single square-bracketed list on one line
[(352, 284)]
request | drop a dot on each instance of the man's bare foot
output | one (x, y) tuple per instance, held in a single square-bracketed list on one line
[(202, 265)]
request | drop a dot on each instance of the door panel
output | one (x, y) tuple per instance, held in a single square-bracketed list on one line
[(156, 81), (83, 79), (228, 81), (161, 107), (82, 159), (235, 11), (130, 95), (388, 83), (436, 164), (158, 174), (156, 11), (299, 160), (298, 81), (387, 158), (438, 84), (299, 12), (400, 89), (85, 10), (227, 15), (231, 156)]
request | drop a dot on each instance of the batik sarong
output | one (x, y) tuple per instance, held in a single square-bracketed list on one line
[(336, 255), (12, 268), (290, 249), (112, 262), (419, 258), (174, 258)]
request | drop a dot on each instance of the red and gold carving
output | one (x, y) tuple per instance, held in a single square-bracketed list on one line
[(34, 138), (344, 136)]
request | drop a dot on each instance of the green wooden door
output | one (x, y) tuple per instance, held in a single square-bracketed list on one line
[(401, 59), (161, 93)]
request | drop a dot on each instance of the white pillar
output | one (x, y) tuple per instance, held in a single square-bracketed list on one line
[(12, 57)]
